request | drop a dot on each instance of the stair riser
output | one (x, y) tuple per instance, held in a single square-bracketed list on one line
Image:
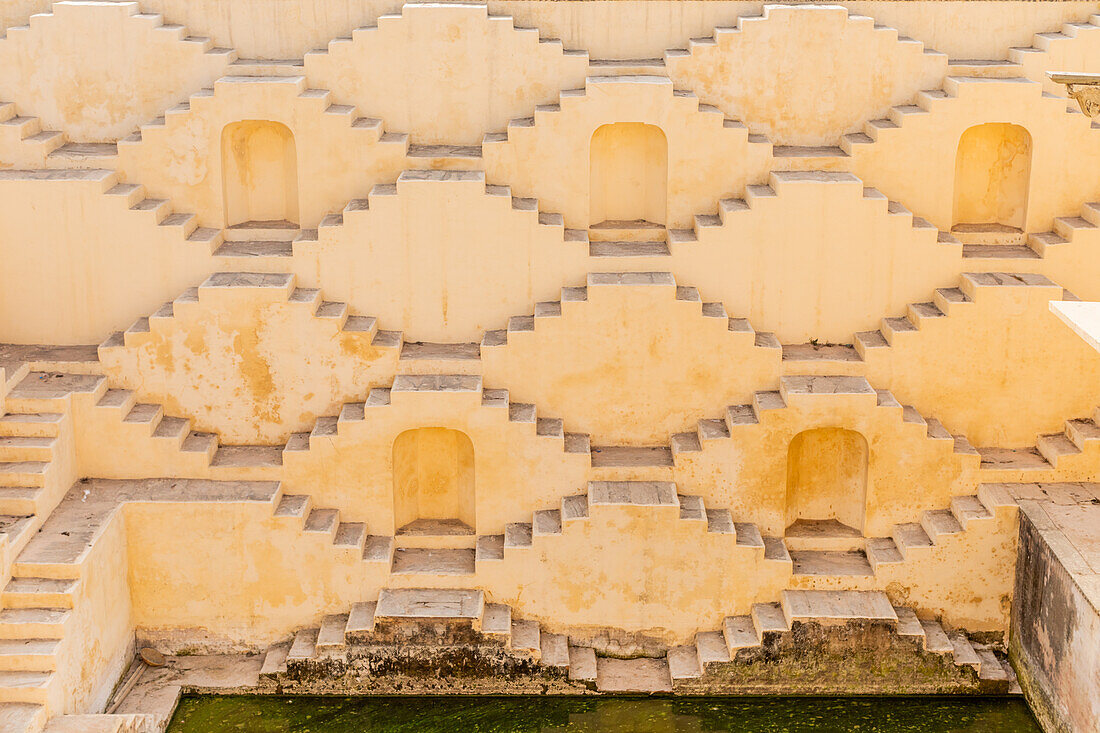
[(632, 473), (29, 429), (27, 663), (18, 507), (437, 541), (32, 631), (25, 453), (38, 695), (37, 600), (38, 404), (23, 479)]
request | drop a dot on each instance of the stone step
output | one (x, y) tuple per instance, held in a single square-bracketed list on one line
[(24, 686), (304, 645), (935, 638), (433, 561), (836, 607), (23, 717), (582, 663), (275, 660), (633, 675), (37, 424), (26, 448), (39, 593), (34, 623), (831, 563), (28, 655), (330, 637)]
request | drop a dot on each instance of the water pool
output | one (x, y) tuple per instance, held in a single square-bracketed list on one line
[(260, 714)]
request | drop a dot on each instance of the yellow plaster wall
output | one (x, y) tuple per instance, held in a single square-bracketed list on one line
[(99, 69), (99, 639), (629, 173), (827, 476), (252, 364), (846, 71), (433, 476), (447, 74), (257, 29), (667, 366)]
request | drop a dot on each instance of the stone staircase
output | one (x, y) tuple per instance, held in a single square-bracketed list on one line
[(362, 207), (520, 536), (39, 605), (745, 638), (22, 138), (1067, 230), (911, 539), (36, 452), (777, 183), (1035, 60), (434, 627), (1050, 453), (408, 628), (944, 302), (579, 294)]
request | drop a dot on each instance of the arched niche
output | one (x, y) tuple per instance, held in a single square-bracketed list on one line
[(628, 168), (992, 177), (433, 482), (827, 479), (259, 173)]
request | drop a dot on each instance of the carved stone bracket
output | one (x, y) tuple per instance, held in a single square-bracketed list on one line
[(1085, 88)]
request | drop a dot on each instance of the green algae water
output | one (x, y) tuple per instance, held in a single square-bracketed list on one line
[(260, 714)]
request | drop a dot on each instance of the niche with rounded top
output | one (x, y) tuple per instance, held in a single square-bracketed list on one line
[(259, 174), (992, 178), (628, 168), (826, 483), (433, 482)]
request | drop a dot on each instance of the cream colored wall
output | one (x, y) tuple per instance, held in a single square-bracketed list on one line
[(239, 588), (257, 29), (551, 160), (99, 640), (99, 69), (846, 71), (353, 470), (420, 255), (78, 262), (492, 72), (822, 275), (448, 256), (667, 367), (827, 476), (993, 175), (956, 368)]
